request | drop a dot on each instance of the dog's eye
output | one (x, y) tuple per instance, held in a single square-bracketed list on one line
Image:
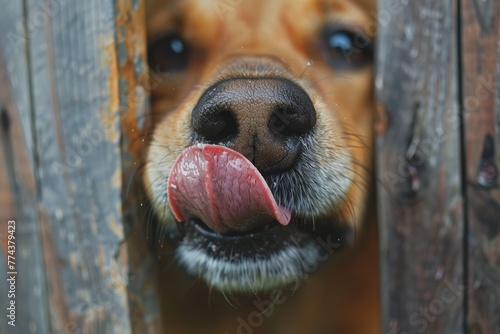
[(168, 54), (347, 48)]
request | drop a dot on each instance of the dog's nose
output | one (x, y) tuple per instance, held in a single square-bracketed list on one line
[(262, 118)]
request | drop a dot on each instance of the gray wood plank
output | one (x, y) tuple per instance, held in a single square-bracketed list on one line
[(481, 101), (19, 193), (418, 168), (72, 58)]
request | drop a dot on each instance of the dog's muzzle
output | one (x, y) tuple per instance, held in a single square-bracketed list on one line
[(254, 204), (253, 126)]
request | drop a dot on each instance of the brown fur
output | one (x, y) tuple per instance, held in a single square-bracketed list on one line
[(343, 296)]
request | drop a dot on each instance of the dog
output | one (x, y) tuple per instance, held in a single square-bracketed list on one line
[(259, 168)]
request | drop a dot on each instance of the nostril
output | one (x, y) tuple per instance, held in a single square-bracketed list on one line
[(215, 124), (289, 120)]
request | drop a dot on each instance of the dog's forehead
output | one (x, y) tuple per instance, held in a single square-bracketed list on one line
[(252, 12)]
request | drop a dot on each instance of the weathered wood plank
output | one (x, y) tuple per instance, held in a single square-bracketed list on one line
[(418, 167), (134, 110), (77, 127), (17, 186), (481, 100)]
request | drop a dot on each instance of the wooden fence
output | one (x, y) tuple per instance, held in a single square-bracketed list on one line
[(73, 107), (437, 150)]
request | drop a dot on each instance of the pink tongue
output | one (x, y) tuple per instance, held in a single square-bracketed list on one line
[(223, 189)]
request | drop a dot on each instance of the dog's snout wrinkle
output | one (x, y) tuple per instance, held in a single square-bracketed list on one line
[(262, 118)]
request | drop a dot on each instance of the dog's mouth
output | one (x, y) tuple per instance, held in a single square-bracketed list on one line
[(233, 232)]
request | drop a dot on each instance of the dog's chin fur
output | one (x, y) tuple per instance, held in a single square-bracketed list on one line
[(256, 261), (261, 272)]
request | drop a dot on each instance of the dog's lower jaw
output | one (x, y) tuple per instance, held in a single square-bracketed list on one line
[(251, 275), (254, 262)]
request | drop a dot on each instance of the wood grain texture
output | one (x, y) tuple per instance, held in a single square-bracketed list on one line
[(133, 83), (18, 193), (418, 167), (481, 100), (77, 131)]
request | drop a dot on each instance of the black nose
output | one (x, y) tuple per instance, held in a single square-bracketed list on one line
[(262, 118)]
